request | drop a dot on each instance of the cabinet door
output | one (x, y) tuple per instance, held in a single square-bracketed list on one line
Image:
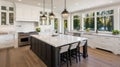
[(19, 13), (3, 18), (26, 13), (6, 41), (11, 18), (34, 14)]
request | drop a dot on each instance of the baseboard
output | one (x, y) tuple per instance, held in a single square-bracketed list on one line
[(104, 50), (6, 48)]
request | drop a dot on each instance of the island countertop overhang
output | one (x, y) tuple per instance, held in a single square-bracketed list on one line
[(59, 40)]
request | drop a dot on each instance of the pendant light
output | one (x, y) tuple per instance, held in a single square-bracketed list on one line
[(65, 13), (51, 14), (43, 16)]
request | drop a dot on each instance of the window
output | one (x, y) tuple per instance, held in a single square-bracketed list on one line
[(76, 22), (56, 24), (89, 21), (105, 20), (65, 26)]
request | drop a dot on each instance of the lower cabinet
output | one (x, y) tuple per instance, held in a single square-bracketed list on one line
[(109, 43), (6, 40)]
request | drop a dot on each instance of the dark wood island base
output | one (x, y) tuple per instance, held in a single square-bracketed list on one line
[(49, 54)]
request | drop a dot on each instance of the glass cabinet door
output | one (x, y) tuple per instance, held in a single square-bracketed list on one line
[(3, 8), (3, 18), (11, 18)]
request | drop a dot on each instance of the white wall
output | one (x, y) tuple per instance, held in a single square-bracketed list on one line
[(6, 3), (25, 26)]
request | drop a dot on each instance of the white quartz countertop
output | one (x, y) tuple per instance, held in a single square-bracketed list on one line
[(59, 40), (105, 35)]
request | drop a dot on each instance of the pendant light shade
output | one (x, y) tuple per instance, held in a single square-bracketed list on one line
[(51, 14), (43, 16), (65, 13)]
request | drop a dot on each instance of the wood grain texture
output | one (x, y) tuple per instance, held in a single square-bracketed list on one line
[(24, 57)]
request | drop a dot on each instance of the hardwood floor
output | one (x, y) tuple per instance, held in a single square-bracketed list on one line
[(24, 57)]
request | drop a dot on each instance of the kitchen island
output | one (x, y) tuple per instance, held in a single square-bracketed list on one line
[(47, 47)]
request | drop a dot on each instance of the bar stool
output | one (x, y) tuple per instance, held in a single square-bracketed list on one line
[(64, 53), (78, 49), (73, 51)]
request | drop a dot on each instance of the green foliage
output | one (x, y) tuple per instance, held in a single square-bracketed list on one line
[(38, 29), (115, 32), (56, 24), (88, 30), (76, 24), (89, 23), (65, 24), (105, 22)]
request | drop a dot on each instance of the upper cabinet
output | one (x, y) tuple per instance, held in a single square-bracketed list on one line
[(7, 15), (27, 13)]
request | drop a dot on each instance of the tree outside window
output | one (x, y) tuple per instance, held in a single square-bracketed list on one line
[(89, 21), (76, 22), (105, 20), (65, 26), (56, 24)]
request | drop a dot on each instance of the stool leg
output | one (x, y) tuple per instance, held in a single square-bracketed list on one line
[(76, 56), (67, 58), (70, 57), (79, 56)]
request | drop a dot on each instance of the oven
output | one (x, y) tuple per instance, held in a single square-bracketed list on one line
[(24, 38)]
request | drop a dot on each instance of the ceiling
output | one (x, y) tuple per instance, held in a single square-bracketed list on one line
[(72, 5)]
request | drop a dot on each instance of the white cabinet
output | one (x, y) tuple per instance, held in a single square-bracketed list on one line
[(26, 13), (6, 41), (110, 43), (35, 13), (6, 15), (19, 13)]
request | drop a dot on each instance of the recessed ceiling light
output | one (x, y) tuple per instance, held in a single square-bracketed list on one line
[(77, 4), (111, 1), (88, 6), (54, 7), (19, 0), (39, 4)]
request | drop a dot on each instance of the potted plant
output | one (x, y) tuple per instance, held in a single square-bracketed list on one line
[(115, 32), (88, 30), (38, 29)]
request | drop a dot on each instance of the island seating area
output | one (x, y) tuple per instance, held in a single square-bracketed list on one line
[(48, 47)]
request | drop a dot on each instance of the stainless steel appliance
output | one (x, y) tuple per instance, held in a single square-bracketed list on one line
[(24, 38)]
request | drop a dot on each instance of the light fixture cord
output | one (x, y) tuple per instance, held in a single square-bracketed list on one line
[(51, 5), (65, 4), (44, 6)]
